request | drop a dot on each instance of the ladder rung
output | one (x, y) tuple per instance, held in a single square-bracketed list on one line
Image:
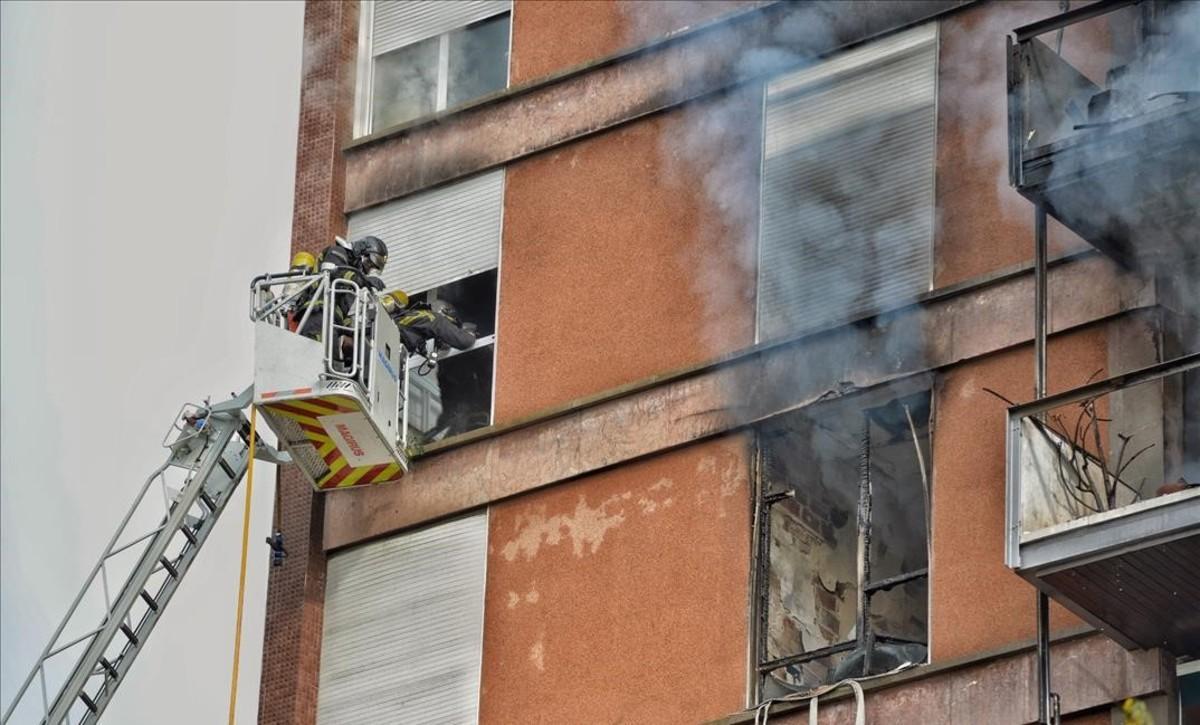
[(187, 532), (149, 600), (212, 506), (88, 701), (129, 633), (108, 667), (167, 565), (227, 469)]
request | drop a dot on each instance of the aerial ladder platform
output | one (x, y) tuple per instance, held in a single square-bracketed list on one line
[(335, 399)]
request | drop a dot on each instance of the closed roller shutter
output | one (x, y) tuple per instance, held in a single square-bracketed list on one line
[(403, 630), (438, 236), (397, 23), (848, 185)]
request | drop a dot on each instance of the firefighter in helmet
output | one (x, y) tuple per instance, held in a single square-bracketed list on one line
[(361, 262), (421, 323)]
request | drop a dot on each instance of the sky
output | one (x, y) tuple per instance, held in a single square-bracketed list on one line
[(147, 160)]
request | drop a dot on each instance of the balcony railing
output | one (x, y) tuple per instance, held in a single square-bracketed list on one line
[(1104, 125), (1102, 508)]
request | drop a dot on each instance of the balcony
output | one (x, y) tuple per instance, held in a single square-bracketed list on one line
[(1103, 513), (1104, 127)]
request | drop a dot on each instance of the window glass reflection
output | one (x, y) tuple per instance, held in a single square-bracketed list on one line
[(405, 84), (478, 60)]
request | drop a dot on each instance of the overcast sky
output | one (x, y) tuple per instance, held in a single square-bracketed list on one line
[(147, 154)]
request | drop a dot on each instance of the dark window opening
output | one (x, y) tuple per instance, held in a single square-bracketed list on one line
[(455, 396), (843, 542)]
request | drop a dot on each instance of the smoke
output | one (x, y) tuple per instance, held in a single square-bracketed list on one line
[(846, 173), (865, 225), (1124, 115)]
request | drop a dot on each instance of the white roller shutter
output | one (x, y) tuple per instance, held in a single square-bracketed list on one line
[(848, 185), (403, 630), (397, 23), (438, 236)]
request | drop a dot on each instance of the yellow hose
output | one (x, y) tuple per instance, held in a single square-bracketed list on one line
[(237, 636)]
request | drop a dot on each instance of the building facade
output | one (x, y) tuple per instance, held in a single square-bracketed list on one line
[(755, 286)]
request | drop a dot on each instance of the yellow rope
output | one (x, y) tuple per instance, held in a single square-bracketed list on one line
[(237, 636)]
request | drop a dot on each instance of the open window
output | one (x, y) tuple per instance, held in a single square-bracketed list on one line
[(455, 396), (842, 575), (444, 244)]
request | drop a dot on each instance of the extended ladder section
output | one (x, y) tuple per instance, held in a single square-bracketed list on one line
[(172, 516), (331, 379)]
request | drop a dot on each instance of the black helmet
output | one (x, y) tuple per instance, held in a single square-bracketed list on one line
[(372, 254), (445, 309)]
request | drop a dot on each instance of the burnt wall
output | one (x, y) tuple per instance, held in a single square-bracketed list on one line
[(622, 597), (1089, 673), (622, 257)]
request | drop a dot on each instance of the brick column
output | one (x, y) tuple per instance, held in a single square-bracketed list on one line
[(296, 591)]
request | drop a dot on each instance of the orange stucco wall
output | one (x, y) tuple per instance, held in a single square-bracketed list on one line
[(628, 254), (978, 603), (983, 224), (622, 597), (550, 36)]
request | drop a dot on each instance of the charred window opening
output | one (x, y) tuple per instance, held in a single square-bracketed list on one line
[(842, 580), (455, 395)]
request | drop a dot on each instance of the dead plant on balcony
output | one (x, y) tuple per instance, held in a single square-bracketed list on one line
[(1090, 476)]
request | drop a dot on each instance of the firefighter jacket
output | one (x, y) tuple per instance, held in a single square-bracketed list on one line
[(418, 324)]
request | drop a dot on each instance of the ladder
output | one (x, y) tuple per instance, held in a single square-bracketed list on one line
[(154, 546)]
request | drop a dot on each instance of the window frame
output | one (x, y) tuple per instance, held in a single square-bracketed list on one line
[(760, 667), (364, 84), (815, 77)]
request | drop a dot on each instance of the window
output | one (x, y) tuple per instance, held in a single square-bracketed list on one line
[(1189, 691), (842, 577), (403, 634), (847, 191), (444, 244), (465, 401), (422, 57)]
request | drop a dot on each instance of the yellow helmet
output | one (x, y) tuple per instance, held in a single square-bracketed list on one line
[(304, 261), (393, 302)]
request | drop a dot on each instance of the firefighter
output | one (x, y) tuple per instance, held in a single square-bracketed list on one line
[(421, 322), (366, 256), (361, 262), (303, 263)]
